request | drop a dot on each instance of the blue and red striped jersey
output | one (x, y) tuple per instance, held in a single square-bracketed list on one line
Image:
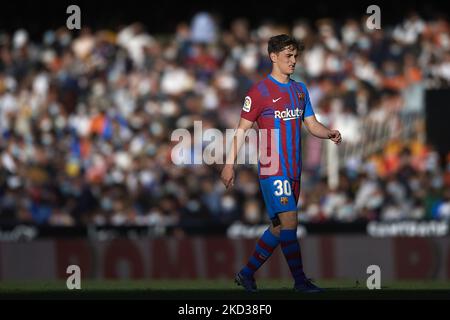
[(282, 106)]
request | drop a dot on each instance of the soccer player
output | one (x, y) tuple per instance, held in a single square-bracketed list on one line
[(278, 104)]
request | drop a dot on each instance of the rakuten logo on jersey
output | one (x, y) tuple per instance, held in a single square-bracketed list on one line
[(289, 114)]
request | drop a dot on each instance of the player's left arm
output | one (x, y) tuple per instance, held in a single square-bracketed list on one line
[(320, 131), (314, 126)]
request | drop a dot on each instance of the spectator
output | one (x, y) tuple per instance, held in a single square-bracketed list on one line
[(85, 122)]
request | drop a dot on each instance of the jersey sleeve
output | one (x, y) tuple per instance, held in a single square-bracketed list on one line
[(308, 106), (251, 108)]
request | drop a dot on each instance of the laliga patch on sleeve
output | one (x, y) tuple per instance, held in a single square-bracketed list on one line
[(247, 104)]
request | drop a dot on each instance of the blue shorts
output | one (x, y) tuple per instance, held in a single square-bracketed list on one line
[(280, 194)]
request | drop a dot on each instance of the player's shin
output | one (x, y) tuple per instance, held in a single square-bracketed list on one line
[(291, 251), (263, 250)]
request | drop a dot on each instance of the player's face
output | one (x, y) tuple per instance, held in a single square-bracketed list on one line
[(286, 60)]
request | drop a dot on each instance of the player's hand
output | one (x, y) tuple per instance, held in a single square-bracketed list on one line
[(335, 136), (227, 176)]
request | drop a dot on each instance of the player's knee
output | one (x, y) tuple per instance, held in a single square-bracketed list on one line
[(288, 220), (275, 230), (289, 225)]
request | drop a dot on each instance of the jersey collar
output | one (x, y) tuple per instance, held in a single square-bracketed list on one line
[(278, 82)]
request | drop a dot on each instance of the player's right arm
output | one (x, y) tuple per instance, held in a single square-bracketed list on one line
[(227, 175), (250, 112)]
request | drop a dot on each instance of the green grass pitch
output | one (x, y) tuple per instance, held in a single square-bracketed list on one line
[(219, 289)]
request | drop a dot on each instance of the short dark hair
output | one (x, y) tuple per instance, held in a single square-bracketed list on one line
[(280, 42)]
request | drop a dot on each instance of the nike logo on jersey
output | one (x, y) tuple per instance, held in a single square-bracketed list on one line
[(275, 100)]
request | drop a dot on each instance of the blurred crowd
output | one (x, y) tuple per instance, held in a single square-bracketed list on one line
[(86, 119)]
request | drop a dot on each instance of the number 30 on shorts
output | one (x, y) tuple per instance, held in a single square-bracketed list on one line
[(282, 187)]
